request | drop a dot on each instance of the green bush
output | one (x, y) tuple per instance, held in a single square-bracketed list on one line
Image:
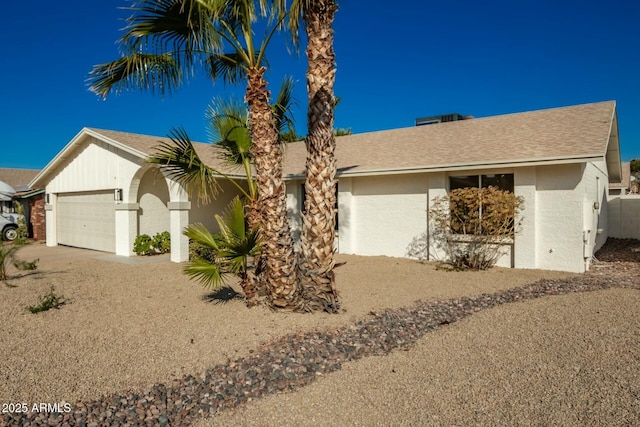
[(142, 245), (47, 302), (162, 242), (159, 244)]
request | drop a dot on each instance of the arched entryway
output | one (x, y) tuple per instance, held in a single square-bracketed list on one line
[(153, 199)]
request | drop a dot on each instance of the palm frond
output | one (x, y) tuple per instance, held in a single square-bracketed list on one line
[(179, 160), (230, 67), (172, 25), (232, 223), (152, 72), (210, 275), (283, 107), (198, 233), (227, 128)]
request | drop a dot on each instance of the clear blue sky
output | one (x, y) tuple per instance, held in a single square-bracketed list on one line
[(396, 62)]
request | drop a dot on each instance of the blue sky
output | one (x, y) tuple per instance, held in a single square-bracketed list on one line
[(394, 64)]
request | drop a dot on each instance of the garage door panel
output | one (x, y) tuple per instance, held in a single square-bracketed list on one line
[(86, 220)]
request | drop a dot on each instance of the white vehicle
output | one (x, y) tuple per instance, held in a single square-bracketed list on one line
[(9, 226)]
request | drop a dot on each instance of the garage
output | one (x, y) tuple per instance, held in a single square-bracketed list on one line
[(87, 220)]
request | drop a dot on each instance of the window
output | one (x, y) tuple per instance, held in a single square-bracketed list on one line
[(501, 181), (481, 212)]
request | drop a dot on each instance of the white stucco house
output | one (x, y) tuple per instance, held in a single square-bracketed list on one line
[(101, 193)]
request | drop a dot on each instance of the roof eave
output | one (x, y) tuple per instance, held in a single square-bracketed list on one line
[(463, 166)]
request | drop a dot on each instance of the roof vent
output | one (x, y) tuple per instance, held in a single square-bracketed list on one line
[(439, 119)]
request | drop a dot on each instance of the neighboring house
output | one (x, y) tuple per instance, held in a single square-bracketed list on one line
[(624, 186), (32, 199), (101, 194)]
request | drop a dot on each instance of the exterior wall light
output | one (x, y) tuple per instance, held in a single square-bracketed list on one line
[(117, 194)]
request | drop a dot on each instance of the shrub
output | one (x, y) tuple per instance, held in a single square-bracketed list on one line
[(47, 302), (473, 226), (23, 229), (159, 244), (26, 265), (142, 245)]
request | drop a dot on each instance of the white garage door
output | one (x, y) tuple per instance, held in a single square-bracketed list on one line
[(87, 220)]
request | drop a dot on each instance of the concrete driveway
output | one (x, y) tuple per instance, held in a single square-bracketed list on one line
[(63, 255)]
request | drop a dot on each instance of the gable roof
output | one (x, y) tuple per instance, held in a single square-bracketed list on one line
[(572, 134), (18, 178)]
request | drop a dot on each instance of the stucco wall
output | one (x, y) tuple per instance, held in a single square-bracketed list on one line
[(386, 213), (204, 213), (596, 184), (382, 215), (153, 196), (559, 218)]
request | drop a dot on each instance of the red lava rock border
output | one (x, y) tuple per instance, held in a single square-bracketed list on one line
[(295, 360)]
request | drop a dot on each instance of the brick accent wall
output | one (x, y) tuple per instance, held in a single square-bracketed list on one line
[(37, 217)]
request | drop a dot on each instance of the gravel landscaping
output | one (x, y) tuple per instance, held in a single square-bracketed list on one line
[(137, 345)]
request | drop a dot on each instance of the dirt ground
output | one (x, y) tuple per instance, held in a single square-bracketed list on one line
[(130, 323)]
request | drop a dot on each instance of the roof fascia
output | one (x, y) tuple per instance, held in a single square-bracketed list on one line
[(465, 166), (612, 153)]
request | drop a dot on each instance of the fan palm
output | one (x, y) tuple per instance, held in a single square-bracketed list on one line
[(227, 253), (163, 43)]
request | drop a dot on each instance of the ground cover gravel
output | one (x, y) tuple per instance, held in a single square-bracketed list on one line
[(150, 341)]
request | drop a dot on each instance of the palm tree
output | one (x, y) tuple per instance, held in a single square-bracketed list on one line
[(226, 253), (228, 131), (319, 219), (163, 43)]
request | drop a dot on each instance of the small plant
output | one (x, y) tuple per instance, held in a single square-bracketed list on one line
[(7, 254), (47, 302), (142, 245), (23, 229), (474, 226), (159, 244), (26, 265)]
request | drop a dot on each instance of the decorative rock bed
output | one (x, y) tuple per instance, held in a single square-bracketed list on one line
[(294, 361)]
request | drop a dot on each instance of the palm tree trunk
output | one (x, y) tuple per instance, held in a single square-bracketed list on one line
[(319, 219), (277, 256)]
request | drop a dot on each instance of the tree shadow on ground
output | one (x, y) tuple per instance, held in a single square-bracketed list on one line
[(222, 295)]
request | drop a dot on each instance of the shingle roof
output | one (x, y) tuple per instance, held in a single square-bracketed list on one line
[(147, 145), (567, 134), (17, 177), (574, 132)]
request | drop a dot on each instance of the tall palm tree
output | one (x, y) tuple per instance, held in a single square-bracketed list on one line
[(163, 43), (319, 219)]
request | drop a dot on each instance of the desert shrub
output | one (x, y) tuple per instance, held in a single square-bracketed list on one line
[(474, 226), (47, 302), (7, 254), (26, 265), (146, 245)]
